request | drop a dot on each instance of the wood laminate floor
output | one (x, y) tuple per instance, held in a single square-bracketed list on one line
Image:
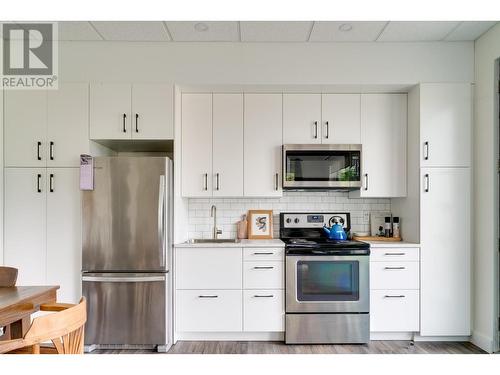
[(271, 347)]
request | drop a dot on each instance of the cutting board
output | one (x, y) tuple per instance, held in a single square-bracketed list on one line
[(377, 238)]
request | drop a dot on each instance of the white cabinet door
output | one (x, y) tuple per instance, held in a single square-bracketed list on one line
[(228, 145), (25, 117), (383, 135), (152, 111), (196, 145), (64, 237), (394, 275), (341, 118), (445, 251), (394, 310), (445, 124), (263, 310), (68, 125), (25, 223), (301, 118), (262, 145), (110, 105), (263, 275)]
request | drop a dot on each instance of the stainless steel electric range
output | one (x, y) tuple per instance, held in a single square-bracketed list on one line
[(327, 282)]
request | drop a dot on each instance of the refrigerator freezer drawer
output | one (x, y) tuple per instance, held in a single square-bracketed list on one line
[(125, 309)]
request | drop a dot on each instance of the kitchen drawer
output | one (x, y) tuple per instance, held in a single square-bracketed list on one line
[(394, 275), (394, 310), (209, 310), (264, 253), (208, 268), (390, 254), (264, 310), (263, 275)]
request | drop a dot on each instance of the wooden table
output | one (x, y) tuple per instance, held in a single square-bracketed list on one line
[(18, 303)]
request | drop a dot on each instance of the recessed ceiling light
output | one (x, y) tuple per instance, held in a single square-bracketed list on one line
[(345, 27), (201, 26)]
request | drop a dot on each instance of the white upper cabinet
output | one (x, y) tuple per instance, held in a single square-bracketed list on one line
[(125, 111), (445, 253), (262, 145), (110, 115), (152, 111), (25, 117), (383, 136), (341, 119), (301, 118), (445, 124), (227, 147), (68, 125), (196, 145)]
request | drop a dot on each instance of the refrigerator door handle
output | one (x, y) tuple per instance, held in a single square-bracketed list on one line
[(161, 219), (123, 279)]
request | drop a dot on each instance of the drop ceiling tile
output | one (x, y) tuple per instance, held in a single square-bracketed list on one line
[(270, 31), (151, 31), (416, 31), (216, 31), (469, 30), (362, 31), (77, 31)]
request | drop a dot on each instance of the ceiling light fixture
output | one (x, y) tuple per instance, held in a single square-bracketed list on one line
[(201, 26), (345, 27)]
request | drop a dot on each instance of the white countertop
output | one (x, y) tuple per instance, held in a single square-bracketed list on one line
[(382, 244), (241, 243)]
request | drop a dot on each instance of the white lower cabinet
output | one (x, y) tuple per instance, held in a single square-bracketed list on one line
[(394, 310), (228, 289), (209, 310), (264, 310), (394, 290)]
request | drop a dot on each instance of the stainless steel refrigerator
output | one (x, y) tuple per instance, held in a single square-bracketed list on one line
[(127, 252)]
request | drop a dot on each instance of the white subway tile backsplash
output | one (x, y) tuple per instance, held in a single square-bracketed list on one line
[(230, 210)]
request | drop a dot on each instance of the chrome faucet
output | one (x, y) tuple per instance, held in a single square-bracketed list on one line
[(215, 231)]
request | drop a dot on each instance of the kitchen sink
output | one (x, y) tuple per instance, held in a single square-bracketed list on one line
[(211, 240)]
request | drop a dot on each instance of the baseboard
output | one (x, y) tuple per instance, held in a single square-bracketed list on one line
[(229, 336), (391, 336), (442, 338), (484, 342)]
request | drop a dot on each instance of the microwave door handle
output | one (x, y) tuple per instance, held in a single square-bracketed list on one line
[(161, 219)]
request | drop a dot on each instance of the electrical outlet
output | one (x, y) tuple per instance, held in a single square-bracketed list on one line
[(366, 217)]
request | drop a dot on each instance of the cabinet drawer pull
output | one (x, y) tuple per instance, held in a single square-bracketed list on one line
[(276, 181), (394, 268), (137, 123), (366, 181), (51, 151), (51, 183), (262, 253), (426, 150), (217, 184), (327, 130), (124, 122), (398, 296), (38, 145), (38, 178), (263, 267), (315, 129), (426, 182), (263, 296), (205, 177), (208, 296), (394, 253)]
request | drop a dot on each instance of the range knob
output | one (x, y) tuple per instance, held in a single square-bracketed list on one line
[(288, 220), (296, 221)]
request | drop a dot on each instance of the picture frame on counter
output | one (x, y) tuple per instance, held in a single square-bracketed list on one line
[(260, 224)]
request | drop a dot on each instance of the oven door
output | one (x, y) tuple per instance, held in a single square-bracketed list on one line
[(321, 166), (327, 284)]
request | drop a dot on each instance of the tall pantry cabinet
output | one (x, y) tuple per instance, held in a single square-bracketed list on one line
[(438, 208), (44, 134)]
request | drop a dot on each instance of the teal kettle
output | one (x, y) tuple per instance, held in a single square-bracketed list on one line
[(335, 232)]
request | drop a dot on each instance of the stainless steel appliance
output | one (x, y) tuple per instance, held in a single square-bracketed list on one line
[(327, 282), (321, 166), (126, 255)]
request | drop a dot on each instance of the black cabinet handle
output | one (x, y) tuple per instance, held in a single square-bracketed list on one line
[(426, 182), (263, 268), (394, 254), (208, 296), (315, 129), (51, 150), (262, 253), (263, 296), (205, 176), (124, 122), (38, 145), (327, 130), (276, 181), (394, 268), (426, 150), (137, 123), (38, 178), (398, 296), (366, 181), (51, 183), (216, 181)]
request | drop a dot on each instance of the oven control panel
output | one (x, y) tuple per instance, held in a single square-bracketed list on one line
[(316, 220)]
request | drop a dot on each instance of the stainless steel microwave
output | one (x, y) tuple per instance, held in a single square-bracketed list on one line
[(321, 166)]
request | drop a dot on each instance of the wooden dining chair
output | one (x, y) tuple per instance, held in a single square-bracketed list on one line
[(8, 276), (64, 328)]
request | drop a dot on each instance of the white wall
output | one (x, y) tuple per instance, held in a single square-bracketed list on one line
[(487, 50)]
